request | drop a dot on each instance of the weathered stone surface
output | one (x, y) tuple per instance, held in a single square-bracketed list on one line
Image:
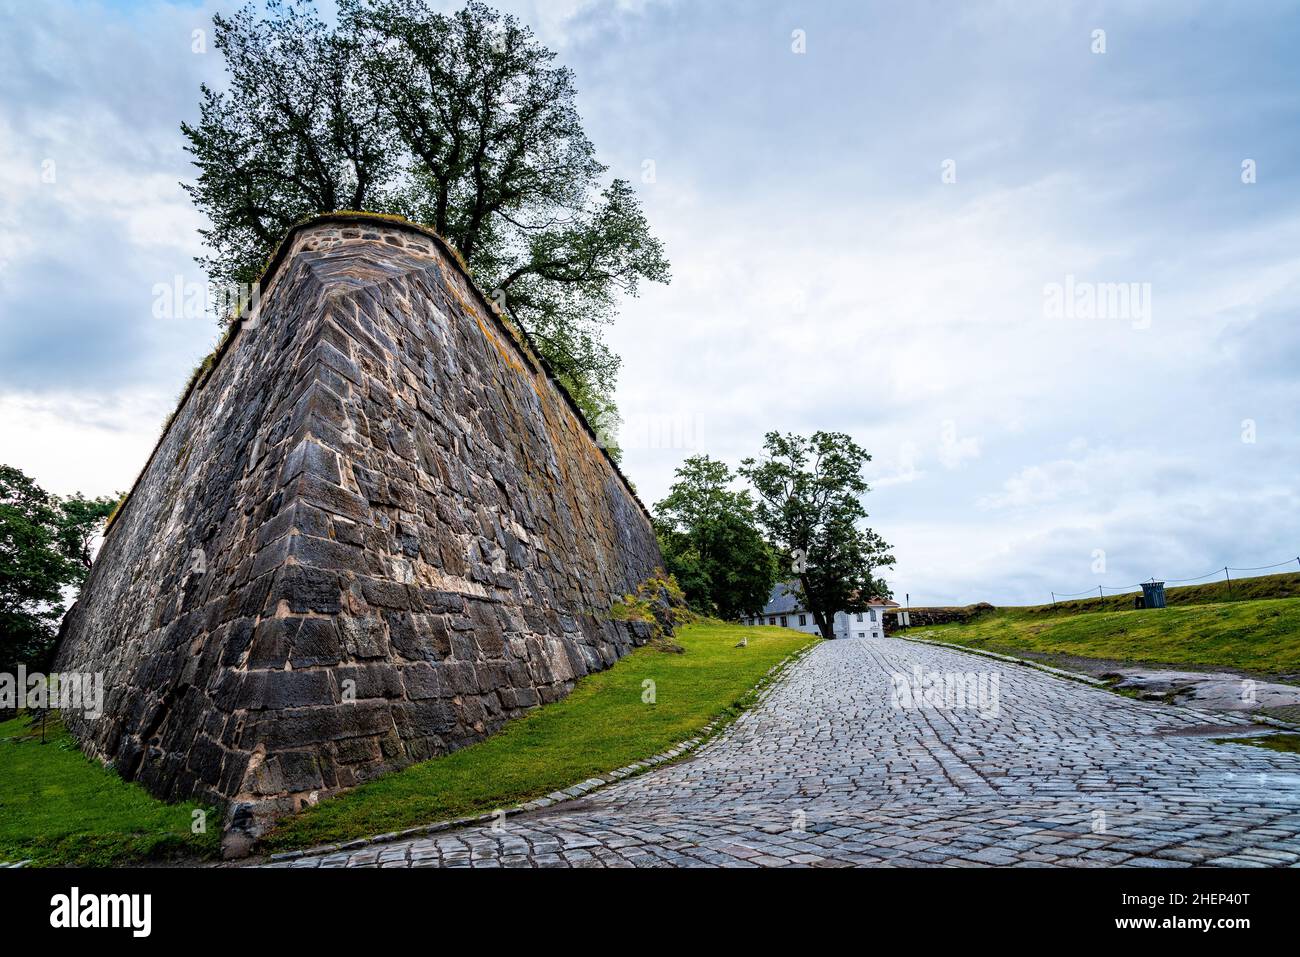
[(1219, 690), (376, 531), (927, 617)]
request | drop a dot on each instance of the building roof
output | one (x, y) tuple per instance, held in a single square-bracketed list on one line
[(783, 600)]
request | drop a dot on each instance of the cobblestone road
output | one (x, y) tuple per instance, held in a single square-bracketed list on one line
[(829, 770)]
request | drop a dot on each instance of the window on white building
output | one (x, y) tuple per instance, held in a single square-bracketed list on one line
[(771, 621), (803, 619), (859, 616), (783, 622)]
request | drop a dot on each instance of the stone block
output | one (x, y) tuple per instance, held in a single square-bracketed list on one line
[(377, 680), (425, 681), (302, 590), (278, 690), (364, 636)]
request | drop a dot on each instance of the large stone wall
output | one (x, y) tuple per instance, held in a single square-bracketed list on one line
[(927, 617), (376, 531)]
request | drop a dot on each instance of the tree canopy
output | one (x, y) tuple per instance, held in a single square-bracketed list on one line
[(810, 502), (81, 520), (44, 546), (711, 543), (461, 121)]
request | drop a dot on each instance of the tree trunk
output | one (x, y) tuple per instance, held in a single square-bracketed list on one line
[(825, 625)]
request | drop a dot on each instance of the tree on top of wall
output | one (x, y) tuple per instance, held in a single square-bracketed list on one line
[(460, 121)]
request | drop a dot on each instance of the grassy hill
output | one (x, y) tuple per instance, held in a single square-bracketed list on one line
[(59, 807), (1261, 637), (1285, 585), (1251, 625)]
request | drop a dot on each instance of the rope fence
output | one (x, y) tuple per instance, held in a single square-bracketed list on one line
[(1225, 571)]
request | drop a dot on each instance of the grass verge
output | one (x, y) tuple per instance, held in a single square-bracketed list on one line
[(1286, 743), (1280, 585), (1256, 636), (603, 725), (58, 807)]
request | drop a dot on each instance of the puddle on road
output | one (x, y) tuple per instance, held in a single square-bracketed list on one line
[(1284, 742)]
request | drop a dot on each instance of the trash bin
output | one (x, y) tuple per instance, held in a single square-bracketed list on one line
[(1153, 594)]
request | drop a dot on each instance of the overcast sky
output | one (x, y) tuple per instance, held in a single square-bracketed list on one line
[(883, 235)]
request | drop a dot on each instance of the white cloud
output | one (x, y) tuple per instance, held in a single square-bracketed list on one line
[(73, 442), (955, 452), (1040, 484)]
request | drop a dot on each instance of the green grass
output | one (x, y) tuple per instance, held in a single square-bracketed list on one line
[(601, 726), (1255, 635), (57, 807), (1282, 585), (1286, 743)]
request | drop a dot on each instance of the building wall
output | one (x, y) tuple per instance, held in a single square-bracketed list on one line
[(846, 624), (790, 621)]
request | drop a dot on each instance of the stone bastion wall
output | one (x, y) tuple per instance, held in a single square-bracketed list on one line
[(375, 530)]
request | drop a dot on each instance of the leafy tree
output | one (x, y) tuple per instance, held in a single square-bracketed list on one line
[(809, 493), (711, 543), (33, 570), (80, 522), (461, 121), (295, 134), (44, 546)]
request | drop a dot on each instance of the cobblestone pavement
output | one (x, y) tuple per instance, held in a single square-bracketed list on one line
[(829, 770)]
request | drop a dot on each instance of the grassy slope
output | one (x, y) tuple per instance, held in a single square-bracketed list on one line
[(601, 726), (1283, 585), (1286, 743), (58, 807), (1256, 635)]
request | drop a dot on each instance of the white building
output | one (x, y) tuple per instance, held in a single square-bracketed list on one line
[(783, 609)]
